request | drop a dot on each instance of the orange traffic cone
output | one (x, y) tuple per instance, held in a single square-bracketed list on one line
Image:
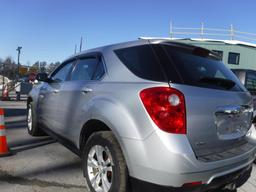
[(4, 150)]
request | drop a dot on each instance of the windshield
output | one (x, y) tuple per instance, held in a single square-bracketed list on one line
[(198, 67)]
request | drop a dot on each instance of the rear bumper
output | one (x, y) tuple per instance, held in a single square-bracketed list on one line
[(237, 178), (168, 160)]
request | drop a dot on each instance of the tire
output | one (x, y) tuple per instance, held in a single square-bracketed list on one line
[(225, 190), (32, 127), (104, 163)]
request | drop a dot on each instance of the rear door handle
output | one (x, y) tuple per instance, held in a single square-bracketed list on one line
[(86, 90)]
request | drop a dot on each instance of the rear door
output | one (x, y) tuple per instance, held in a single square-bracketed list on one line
[(218, 107)]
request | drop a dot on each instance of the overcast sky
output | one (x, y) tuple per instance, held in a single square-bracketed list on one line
[(49, 29)]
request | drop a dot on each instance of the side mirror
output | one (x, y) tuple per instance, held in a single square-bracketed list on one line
[(42, 77)]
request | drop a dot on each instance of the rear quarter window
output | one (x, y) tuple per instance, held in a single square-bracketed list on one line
[(141, 61)]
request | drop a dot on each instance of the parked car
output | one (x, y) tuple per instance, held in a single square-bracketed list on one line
[(248, 79), (148, 115)]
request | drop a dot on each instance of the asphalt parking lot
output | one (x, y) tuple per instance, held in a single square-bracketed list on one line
[(38, 163), (42, 165)]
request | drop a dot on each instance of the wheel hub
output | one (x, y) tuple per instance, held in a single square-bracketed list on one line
[(100, 168), (29, 118)]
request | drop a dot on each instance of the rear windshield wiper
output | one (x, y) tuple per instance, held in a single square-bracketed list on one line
[(225, 83)]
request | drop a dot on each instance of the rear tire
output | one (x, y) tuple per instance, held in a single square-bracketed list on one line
[(33, 127), (104, 165)]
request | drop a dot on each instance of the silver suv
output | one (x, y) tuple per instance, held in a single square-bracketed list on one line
[(148, 115)]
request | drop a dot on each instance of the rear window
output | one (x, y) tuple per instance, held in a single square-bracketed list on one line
[(199, 67), (141, 61), (179, 64)]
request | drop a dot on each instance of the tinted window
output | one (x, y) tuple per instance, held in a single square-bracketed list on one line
[(198, 67), (233, 58), (141, 61), (251, 82), (99, 72), (84, 69), (62, 73)]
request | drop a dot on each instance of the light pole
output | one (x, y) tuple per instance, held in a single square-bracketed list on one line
[(18, 49)]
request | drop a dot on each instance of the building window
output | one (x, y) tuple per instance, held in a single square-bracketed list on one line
[(233, 58), (251, 82), (219, 53)]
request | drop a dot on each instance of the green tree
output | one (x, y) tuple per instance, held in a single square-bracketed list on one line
[(9, 68)]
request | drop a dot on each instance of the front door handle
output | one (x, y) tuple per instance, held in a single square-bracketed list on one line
[(86, 90)]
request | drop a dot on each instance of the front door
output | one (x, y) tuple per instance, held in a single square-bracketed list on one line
[(49, 97)]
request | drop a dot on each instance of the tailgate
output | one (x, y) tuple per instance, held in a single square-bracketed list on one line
[(217, 121)]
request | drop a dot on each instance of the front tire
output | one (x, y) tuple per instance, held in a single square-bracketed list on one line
[(32, 124), (104, 164)]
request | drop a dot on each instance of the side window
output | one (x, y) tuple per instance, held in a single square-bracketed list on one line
[(61, 74), (99, 72), (84, 69), (141, 61)]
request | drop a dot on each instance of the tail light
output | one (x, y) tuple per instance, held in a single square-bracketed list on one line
[(193, 184), (166, 107)]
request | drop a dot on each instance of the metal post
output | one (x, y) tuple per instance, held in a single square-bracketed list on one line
[(18, 49), (75, 48), (3, 76), (202, 30), (2, 91), (232, 32), (171, 30)]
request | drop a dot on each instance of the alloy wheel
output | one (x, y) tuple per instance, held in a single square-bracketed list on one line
[(100, 168)]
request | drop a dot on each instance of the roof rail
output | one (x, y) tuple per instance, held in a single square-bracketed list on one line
[(152, 38)]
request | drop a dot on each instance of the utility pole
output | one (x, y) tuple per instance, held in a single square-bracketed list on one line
[(81, 43), (3, 74), (18, 49)]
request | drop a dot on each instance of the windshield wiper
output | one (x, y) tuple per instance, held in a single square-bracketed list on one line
[(225, 83)]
